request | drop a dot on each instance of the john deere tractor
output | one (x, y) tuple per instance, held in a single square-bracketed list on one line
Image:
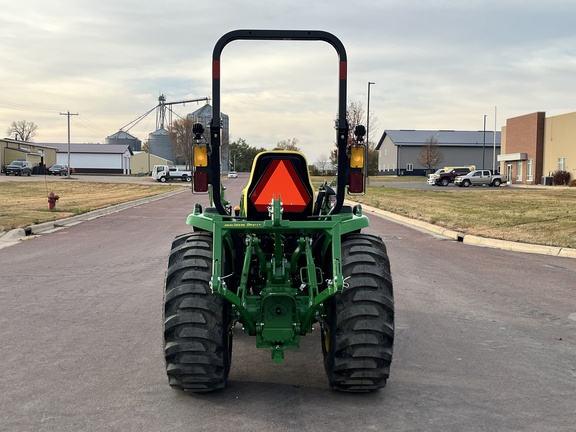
[(287, 259)]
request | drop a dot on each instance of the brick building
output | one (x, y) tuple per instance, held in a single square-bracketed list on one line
[(533, 147)]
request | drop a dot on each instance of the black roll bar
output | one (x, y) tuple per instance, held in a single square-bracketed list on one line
[(215, 124)]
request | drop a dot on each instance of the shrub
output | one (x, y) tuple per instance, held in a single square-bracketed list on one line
[(560, 178), (572, 183)]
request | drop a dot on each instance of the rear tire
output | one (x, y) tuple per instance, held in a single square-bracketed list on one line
[(197, 326), (358, 336), (496, 183)]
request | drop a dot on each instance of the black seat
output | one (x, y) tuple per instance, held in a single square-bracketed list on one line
[(279, 174)]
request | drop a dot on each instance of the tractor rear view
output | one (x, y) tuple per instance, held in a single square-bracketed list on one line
[(286, 259)]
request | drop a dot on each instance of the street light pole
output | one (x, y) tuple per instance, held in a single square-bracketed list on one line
[(68, 114), (484, 142), (367, 136)]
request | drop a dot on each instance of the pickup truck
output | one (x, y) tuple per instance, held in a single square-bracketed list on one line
[(480, 178), (447, 177), (19, 168), (164, 173)]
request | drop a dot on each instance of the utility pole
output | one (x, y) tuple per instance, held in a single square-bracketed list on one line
[(68, 114), (367, 138)]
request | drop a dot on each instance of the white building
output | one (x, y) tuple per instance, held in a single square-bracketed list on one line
[(95, 158)]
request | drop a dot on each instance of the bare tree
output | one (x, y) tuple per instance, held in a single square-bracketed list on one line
[(183, 138), (22, 130), (356, 115), (322, 162), (289, 144), (431, 155)]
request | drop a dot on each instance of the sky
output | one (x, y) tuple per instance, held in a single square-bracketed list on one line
[(435, 64)]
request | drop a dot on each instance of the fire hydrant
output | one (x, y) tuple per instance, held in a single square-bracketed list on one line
[(52, 200)]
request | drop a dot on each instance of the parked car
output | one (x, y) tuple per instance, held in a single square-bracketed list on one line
[(480, 178), (447, 177), (58, 169), (19, 168), (232, 174)]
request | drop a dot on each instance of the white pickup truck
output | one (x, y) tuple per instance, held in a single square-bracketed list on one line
[(480, 178), (164, 173)]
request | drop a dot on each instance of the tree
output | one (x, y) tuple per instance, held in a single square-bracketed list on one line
[(242, 155), (183, 138), (321, 163), (356, 115), (431, 155), (288, 145), (22, 130)]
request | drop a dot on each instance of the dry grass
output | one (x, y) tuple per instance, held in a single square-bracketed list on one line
[(26, 203), (546, 216)]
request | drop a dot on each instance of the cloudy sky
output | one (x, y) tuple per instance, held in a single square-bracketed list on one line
[(436, 64)]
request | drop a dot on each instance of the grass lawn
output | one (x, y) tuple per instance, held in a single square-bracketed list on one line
[(539, 216), (26, 203)]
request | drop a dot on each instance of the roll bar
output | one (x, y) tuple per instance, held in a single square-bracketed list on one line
[(215, 124)]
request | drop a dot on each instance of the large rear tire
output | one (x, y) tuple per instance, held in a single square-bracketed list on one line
[(197, 327), (358, 336)]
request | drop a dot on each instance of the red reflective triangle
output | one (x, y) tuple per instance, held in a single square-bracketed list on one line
[(280, 180)]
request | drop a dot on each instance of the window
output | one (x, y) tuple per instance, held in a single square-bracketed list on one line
[(561, 164), (519, 171), (409, 167), (530, 170)]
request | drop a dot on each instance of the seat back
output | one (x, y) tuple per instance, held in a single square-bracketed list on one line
[(279, 174)]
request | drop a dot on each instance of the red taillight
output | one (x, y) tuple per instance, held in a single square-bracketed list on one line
[(200, 181), (356, 183)]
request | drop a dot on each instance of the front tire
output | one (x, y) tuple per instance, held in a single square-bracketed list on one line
[(358, 335), (445, 182), (162, 179), (466, 183), (197, 326)]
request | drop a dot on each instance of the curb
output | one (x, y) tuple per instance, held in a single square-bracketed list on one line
[(15, 236), (475, 240)]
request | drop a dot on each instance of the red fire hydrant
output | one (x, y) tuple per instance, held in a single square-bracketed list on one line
[(52, 200)]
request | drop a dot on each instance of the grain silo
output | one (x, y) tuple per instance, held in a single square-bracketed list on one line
[(125, 138), (160, 144)]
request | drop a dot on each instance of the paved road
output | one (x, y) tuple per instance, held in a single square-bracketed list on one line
[(485, 340)]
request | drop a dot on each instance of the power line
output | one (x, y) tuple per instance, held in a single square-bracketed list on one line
[(22, 107), (87, 124)]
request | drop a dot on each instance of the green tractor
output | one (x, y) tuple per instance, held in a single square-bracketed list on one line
[(284, 260)]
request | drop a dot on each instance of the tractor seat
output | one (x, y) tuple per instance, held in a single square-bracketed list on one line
[(279, 174)]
